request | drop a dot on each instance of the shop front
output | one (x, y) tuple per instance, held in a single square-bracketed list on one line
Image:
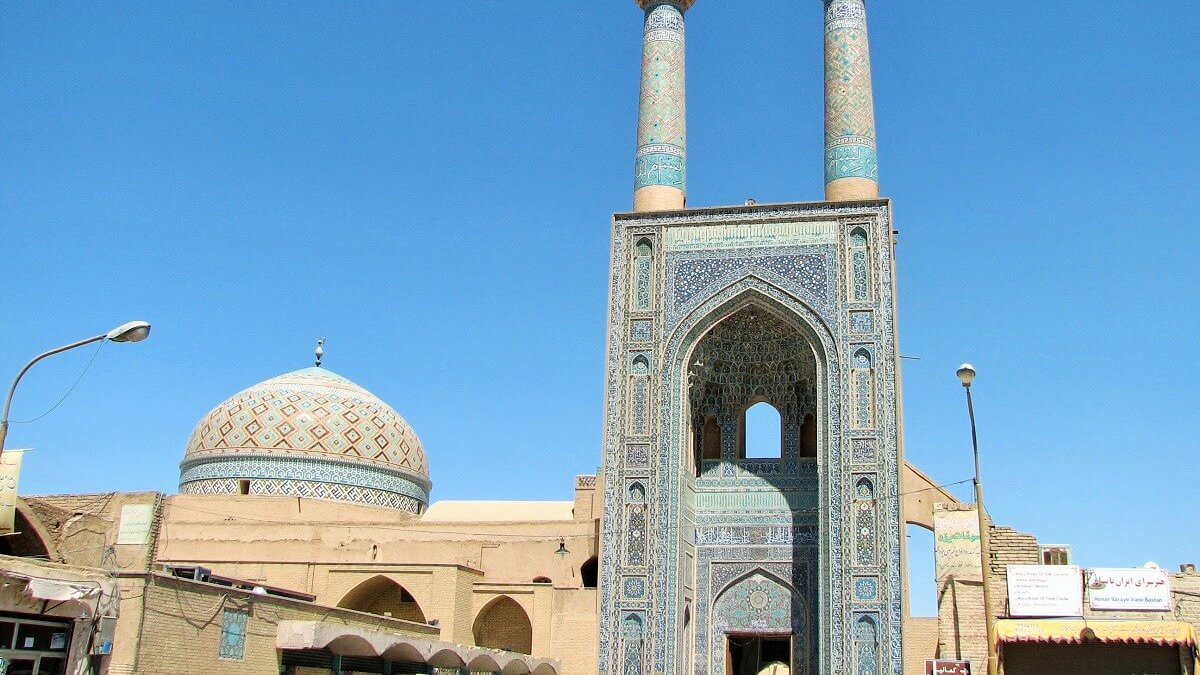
[(33, 646), (1096, 647), (53, 618)]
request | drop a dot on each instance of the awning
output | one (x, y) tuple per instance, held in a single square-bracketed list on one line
[(54, 582), (1077, 631), (348, 641), (53, 589)]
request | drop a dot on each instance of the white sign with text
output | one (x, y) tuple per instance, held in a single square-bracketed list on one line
[(1138, 588), (1045, 590)]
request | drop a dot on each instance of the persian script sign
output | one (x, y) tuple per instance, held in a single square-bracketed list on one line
[(1143, 589), (956, 544), (755, 235), (1045, 590), (136, 520), (943, 667)]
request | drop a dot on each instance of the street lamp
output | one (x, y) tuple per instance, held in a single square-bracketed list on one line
[(134, 331), (966, 375)]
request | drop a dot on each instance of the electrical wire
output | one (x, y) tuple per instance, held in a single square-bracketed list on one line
[(95, 353)]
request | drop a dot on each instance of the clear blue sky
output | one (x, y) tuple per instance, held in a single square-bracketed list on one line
[(429, 186)]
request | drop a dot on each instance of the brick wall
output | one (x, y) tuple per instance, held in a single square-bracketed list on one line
[(1009, 547), (1186, 589), (920, 643)]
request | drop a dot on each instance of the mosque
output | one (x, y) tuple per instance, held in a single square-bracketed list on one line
[(303, 539)]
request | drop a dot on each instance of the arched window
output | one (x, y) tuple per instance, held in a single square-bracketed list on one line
[(762, 432), (589, 572), (710, 439), (503, 624), (808, 436), (380, 595)]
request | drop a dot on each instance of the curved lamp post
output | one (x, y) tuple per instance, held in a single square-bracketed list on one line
[(966, 375), (134, 331)]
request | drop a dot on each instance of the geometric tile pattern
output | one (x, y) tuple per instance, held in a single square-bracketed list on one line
[(641, 330), (866, 589), (310, 412), (233, 634), (694, 276), (303, 469), (758, 604), (862, 322), (849, 111), (662, 117), (309, 433), (307, 488)]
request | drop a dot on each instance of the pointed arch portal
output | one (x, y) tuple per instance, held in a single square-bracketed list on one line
[(385, 597), (503, 624)]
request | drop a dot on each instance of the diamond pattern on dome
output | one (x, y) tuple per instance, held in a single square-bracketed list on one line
[(310, 412)]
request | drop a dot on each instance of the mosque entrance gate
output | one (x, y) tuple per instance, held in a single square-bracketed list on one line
[(708, 555)]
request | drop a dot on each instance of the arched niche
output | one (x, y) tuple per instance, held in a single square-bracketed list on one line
[(753, 373), (30, 537), (757, 604), (385, 597), (589, 572), (503, 624)]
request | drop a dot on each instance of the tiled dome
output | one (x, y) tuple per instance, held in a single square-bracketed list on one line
[(309, 433)]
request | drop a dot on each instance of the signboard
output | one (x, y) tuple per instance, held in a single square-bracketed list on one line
[(1045, 590), (956, 544), (943, 667), (136, 520), (10, 471), (1141, 589)]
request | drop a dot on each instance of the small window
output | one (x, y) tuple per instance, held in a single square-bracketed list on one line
[(763, 432), (243, 487), (233, 634), (541, 580), (1056, 554)]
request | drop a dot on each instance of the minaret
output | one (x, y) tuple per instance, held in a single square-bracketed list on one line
[(660, 182), (851, 170)]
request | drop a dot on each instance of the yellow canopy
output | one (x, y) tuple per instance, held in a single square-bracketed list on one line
[(1083, 630)]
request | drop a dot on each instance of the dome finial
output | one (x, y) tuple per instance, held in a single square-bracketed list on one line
[(320, 351)]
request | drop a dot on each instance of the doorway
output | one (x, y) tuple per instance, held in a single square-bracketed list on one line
[(752, 654)]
